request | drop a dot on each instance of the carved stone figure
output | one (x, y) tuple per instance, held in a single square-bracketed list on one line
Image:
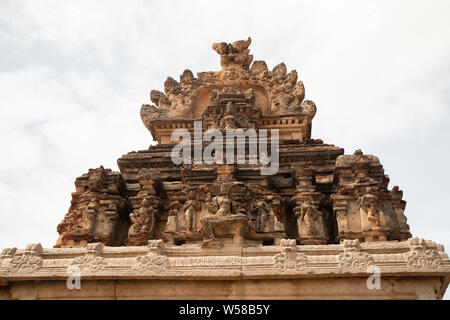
[(231, 108), (143, 224), (308, 215), (265, 219), (235, 54), (311, 224), (220, 205), (229, 121), (172, 225), (190, 208), (370, 207), (222, 220)]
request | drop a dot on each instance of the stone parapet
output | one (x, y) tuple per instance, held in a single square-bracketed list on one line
[(414, 261)]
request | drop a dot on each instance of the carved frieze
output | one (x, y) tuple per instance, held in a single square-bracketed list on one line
[(92, 260), (422, 256), (289, 259), (353, 258), (28, 262)]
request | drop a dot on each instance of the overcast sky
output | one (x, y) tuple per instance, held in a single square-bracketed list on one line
[(73, 75)]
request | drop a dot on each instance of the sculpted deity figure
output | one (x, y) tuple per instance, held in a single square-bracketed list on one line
[(265, 218), (221, 208), (234, 54), (190, 208), (135, 227), (220, 205), (229, 120), (307, 215), (370, 205), (143, 221), (222, 222)]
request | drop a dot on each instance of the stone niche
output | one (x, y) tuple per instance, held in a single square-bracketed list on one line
[(322, 220), (202, 99)]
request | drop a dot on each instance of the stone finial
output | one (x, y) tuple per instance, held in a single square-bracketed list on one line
[(96, 247), (351, 244), (234, 55), (155, 245), (8, 252), (289, 244), (35, 248)]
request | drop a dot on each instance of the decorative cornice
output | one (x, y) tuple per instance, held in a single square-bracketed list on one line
[(289, 259), (353, 258), (92, 261), (422, 255), (161, 261), (27, 263)]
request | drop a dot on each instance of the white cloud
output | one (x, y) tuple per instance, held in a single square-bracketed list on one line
[(73, 75)]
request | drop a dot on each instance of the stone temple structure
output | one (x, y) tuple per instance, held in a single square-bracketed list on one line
[(323, 226)]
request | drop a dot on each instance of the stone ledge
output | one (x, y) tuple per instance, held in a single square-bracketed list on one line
[(414, 257), (322, 288)]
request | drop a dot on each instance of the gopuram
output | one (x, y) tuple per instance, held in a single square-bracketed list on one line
[(292, 218)]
